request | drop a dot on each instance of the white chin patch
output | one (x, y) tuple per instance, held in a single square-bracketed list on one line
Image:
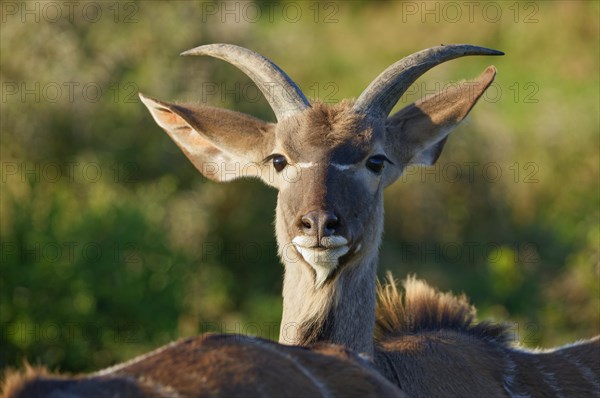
[(323, 260)]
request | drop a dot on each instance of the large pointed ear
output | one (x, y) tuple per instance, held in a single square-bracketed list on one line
[(417, 134), (222, 144)]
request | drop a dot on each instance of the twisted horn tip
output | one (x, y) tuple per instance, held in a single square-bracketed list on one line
[(483, 50), (205, 49)]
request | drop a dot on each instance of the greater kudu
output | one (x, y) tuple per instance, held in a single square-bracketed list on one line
[(331, 164)]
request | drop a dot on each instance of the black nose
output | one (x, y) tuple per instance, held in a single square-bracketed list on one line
[(319, 223)]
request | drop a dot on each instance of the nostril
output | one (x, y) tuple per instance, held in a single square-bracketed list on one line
[(307, 222), (332, 219), (331, 224)]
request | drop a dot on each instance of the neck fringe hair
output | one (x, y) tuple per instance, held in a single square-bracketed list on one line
[(14, 381), (422, 308)]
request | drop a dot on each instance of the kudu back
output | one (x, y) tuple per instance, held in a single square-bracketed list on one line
[(216, 366)]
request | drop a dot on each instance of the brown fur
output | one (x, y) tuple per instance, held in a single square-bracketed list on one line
[(421, 308), (328, 125), (219, 125), (429, 344), (34, 382), (326, 132), (216, 366)]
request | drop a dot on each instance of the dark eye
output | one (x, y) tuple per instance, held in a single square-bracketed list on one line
[(279, 161), (376, 163)]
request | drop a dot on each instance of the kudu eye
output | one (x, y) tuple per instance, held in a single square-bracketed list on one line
[(376, 163), (279, 161)]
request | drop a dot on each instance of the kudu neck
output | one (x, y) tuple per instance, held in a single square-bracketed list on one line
[(341, 311)]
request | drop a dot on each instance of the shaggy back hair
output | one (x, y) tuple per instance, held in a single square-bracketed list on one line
[(421, 308)]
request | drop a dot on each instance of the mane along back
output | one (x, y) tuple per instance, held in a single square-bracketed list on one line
[(421, 308)]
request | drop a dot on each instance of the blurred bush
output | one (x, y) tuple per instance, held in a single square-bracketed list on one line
[(113, 244)]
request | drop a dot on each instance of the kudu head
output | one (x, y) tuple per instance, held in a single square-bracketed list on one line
[(330, 163)]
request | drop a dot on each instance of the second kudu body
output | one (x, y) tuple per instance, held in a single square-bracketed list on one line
[(331, 165)]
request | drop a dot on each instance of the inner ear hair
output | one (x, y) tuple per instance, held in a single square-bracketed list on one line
[(418, 132)]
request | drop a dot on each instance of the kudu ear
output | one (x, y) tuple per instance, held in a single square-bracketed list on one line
[(222, 144), (417, 133)]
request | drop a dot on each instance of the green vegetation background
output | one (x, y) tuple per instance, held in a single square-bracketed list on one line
[(113, 244)]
